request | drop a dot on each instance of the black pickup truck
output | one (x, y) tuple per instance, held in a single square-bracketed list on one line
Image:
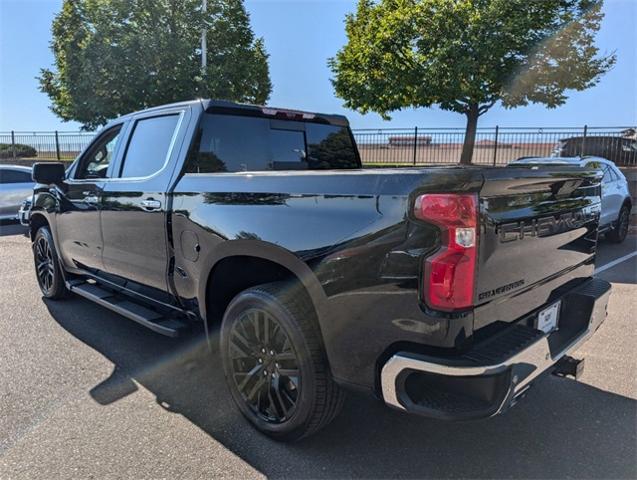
[(445, 291)]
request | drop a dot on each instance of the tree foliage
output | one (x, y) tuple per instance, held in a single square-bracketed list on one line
[(117, 56), (466, 55)]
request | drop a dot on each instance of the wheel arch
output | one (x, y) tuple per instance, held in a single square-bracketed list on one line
[(37, 220), (268, 263), (628, 202)]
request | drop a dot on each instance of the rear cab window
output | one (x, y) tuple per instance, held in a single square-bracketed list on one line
[(239, 143)]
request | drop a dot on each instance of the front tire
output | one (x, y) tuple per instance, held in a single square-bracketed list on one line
[(618, 234), (47, 266), (275, 364)]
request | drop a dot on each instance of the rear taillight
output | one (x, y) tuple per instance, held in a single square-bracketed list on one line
[(449, 274)]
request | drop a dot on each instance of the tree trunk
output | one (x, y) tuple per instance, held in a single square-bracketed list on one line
[(470, 134)]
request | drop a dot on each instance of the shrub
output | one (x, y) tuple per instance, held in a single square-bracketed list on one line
[(21, 150)]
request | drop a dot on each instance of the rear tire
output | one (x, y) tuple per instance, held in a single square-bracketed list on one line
[(618, 234), (47, 266), (275, 364)]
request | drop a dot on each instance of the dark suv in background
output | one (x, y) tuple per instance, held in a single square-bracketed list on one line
[(619, 150)]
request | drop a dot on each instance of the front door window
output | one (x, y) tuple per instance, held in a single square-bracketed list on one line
[(96, 162)]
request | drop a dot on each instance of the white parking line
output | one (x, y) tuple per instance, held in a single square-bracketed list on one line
[(614, 262)]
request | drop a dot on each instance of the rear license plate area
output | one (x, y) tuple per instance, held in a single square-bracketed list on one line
[(548, 318)]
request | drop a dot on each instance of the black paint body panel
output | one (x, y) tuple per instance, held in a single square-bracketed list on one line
[(346, 235)]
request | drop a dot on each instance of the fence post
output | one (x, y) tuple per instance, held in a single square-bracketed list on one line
[(57, 146), (415, 143), (495, 145), (584, 141), (12, 144)]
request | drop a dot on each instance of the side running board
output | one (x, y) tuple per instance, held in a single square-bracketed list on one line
[(123, 305)]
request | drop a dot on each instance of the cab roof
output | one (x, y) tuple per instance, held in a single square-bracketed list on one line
[(233, 108), (222, 106)]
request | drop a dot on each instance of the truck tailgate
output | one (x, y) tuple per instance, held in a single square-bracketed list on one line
[(537, 239)]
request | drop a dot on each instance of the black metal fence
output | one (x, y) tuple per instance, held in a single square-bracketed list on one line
[(47, 145), (402, 147), (494, 146)]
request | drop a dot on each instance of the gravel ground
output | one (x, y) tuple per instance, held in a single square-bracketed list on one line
[(86, 393)]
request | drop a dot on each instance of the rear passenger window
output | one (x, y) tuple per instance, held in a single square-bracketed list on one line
[(231, 144), (147, 150), (234, 143)]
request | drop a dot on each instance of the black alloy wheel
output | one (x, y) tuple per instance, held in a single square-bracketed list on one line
[(264, 366), (275, 364), (47, 266), (44, 265)]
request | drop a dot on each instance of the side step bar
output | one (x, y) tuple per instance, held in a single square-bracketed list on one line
[(151, 319)]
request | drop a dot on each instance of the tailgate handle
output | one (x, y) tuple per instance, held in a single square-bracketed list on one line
[(151, 204)]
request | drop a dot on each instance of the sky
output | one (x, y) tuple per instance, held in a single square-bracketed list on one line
[(300, 35)]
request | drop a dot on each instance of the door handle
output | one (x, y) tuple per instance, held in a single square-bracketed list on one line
[(91, 199), (151, 204)]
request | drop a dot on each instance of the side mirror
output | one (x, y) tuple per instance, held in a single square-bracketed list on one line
[(48, 173)]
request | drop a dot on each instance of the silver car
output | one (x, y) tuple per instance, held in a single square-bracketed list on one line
[(15, 185), (616, 200)]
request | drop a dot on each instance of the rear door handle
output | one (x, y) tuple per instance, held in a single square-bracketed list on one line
[(91, 199), (151, 204)]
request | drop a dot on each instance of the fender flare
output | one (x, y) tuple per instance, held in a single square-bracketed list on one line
[(40, 213), (267, 251), (47, 205)]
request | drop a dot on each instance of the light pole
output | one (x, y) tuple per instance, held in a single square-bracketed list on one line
[(204, 47)]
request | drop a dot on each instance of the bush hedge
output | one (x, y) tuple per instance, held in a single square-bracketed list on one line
[(21, 150)]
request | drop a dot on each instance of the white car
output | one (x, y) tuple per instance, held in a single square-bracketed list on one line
[(15, 185), (616, 200)]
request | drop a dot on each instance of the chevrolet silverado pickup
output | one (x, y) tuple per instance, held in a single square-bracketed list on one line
[(445, 291)]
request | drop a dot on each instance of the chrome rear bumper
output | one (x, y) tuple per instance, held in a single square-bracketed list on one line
[(514, 374)]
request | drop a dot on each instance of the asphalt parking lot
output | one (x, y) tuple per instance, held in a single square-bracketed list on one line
[(87, 393)]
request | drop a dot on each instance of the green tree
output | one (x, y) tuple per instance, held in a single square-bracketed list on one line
[(466, 55), (117, 56)]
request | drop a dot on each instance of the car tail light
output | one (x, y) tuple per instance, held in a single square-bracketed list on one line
[(449, 274)]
